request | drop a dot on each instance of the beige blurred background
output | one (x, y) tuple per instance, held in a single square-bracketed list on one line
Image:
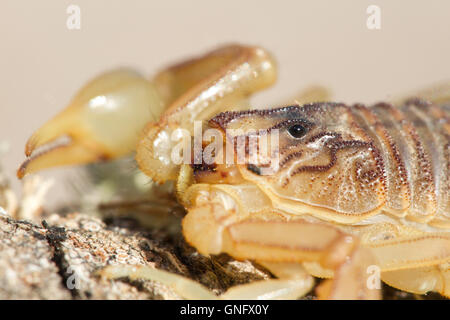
[(43, 64)]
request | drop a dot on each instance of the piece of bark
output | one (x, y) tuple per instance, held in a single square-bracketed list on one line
[(26, 267), (59, 259)]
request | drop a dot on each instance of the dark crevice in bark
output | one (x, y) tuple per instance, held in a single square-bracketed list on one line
[(54, 236)]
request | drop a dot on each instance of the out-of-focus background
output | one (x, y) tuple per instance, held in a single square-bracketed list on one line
[(43, 63)]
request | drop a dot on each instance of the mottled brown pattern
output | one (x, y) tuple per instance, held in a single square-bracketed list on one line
[(397, 187)]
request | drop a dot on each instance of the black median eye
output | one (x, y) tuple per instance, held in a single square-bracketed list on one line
[(297, 131)]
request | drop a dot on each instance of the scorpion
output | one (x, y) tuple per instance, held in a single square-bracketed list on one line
[(350, 189)]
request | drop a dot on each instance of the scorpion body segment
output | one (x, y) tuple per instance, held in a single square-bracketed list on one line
[(415, 140)]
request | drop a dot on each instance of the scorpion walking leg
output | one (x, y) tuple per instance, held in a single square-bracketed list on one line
[(298, 241), (295, 284), (213, 229), (292, 282), (280, 245), (195, 91), (183, 286), (421, 280), (417, 264), (309, 95)]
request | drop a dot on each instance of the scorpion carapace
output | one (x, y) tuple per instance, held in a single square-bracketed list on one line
[(355, 160)]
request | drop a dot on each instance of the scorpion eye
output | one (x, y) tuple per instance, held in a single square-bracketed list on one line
[(297, 131)]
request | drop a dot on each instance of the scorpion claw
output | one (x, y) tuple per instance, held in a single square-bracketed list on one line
[(61, 151), (61, 141), (103, 121)]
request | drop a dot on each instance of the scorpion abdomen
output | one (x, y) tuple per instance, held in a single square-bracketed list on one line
[(414, 141)]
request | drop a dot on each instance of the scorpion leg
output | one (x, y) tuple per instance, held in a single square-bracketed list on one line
[(310, 95), (293, 285), (215, 224), (211, 230), (299, 241), (413, 263), (185, 287), (421, 280), (292, 282), (221, 80), (416, 263), (438, 94), (284, 259)]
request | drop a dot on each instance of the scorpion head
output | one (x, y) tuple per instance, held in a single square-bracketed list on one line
[(319, 158)]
